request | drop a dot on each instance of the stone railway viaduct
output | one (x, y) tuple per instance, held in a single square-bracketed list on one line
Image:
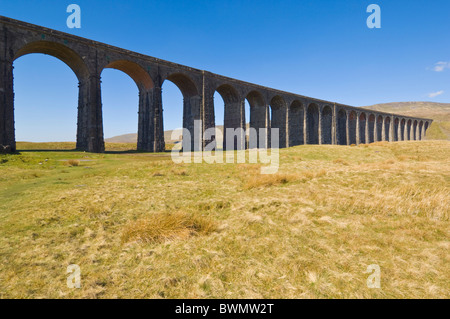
[(300, 119)]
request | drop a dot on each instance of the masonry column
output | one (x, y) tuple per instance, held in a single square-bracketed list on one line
[(267, 126), (375, 129), (159, 144), (333, 126), (209, 117), (383, 129), (7, 134), (90, 122), (305, 130), (149, 113), (287, 125), (422, 136), (243, 125), (357, 128), (367, 139), (192, 120), (347, 127), (319, 129), (405, 131), (391, 129)]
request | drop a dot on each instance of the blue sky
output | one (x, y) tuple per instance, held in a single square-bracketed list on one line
[(317, 48)]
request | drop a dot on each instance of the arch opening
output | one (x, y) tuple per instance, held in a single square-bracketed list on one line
[(396, 127), (420, 130), (120, 108), (45, 101), (296, 118), (402, 130), (408, 130), (228, 115), (278, 118), (362, 128), (379, 128), (387, 128), (352, 118), (258, 120), (134, 71), (342, 127), (327, 124), (191, 110), (426, 124), (312, 124), (59, 51)]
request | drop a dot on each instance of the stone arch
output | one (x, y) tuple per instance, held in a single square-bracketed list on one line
[(414, 130), (395, 136), (327, 124), (233, 116), (341, 130), (296, 119), (387, 125), (379, 129), (402, 130), (312, 124), (420, 130), (371, 123), (59, 51), (145, 84), (142, 79), (425, 128), (278, 118), (408, 130), (362, 128), (85, 139), (192, 104), (352, 118), (228, 93), (258, 119), (186, 85)]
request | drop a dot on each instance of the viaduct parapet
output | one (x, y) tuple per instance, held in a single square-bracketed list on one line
[(300, 119)]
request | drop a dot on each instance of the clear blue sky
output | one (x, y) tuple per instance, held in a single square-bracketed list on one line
[(316, 48)]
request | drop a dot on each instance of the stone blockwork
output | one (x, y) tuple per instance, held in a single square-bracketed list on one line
[(300, 119)]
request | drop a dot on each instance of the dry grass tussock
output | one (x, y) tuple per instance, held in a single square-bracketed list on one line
[(161, 227), (72, 162)]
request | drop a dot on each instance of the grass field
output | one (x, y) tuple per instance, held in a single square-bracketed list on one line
[(140, 226)]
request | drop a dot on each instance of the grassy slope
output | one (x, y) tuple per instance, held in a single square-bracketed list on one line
[(309, 231), (439, 112)]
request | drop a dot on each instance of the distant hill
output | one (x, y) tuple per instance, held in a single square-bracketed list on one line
[(439, 112), (132, 137)]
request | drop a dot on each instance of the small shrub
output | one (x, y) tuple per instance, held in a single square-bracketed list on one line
[(157, 174), (341, 161), (72, 162)]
